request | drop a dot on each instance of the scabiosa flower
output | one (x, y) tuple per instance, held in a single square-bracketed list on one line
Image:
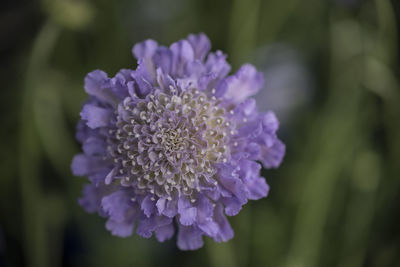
[(174, 145)]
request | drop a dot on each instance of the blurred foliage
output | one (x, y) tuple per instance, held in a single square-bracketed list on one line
[(334, 200)]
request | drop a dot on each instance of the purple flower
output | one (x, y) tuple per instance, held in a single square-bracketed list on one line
[(174, 144)]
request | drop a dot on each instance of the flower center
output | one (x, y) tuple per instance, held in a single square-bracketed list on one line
[(168, 144)]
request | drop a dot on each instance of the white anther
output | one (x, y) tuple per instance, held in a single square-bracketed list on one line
[(213, 91)]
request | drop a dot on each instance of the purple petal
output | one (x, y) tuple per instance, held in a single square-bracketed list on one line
[(96, 116), (182, 54), (201, 45), (163, 59), (271, 157), (244, 83), (161, 202), (233, 184), (142, 85), (121, 229), (258, 188), (94, 146), (187, 211), (189, 238), (90, 200), (216, 63), (144, 52), (205, 210), (165, 232), (96, 84), (270, 122), (147, 225), (86, 165), (171, 208), (145, 49), (225, 230), (116, 205), (148, 206), (232, 205)]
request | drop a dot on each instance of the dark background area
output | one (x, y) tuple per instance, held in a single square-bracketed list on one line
[(331, 75)]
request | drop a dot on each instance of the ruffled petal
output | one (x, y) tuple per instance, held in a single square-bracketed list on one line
[(121, 229), (96, 116), (144, 52), (232, 205), (86, 165), (189, 238), (247, 81), (90, 199), (148, 206), (182, 53), (201, 45), (165, 232), (116, 205), (96, 84), (94, 146), (163, 59), (271, 157), (147, 225), (216, 63), (205, 210), (225, 231), (186, 211), (233, 184)]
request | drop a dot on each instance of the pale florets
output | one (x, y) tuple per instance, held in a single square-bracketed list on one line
[(167, 144)]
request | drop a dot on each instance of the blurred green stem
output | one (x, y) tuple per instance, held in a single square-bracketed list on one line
[(35, 248)]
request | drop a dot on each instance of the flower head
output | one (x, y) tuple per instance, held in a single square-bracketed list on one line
[(176, 140)]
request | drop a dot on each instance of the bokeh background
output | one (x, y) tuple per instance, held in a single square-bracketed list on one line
[(331, 69)]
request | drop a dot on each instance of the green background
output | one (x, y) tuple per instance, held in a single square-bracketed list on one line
[(334, 200)]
